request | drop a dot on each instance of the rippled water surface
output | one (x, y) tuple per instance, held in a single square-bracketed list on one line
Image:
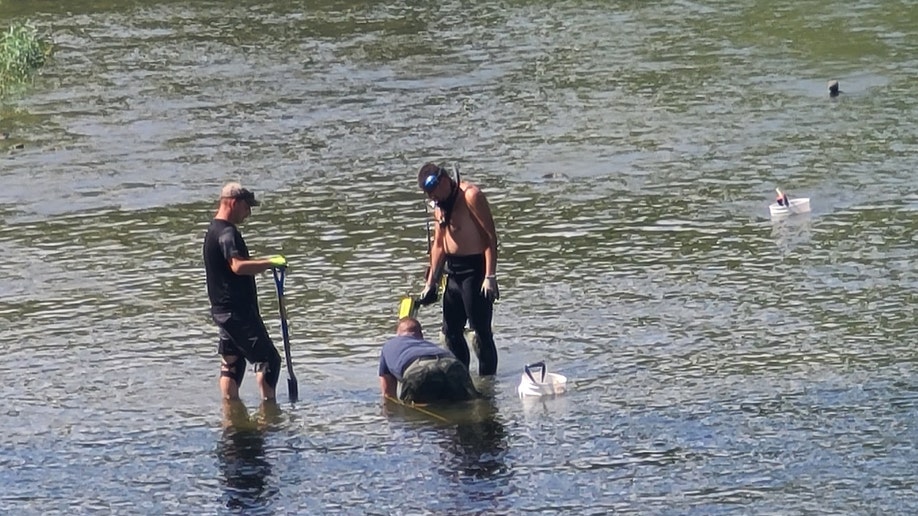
[(719, 361)]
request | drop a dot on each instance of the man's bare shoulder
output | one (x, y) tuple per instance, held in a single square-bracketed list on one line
[(470, 191)]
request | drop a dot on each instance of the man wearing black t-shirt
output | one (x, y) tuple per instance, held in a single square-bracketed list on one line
[(233, 299)]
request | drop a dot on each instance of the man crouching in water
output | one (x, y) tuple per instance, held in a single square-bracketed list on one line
[(427, 372), (465, 241)]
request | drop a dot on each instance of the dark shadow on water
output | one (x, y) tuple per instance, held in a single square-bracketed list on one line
[(478, 444), (241, 455), (472, 432)]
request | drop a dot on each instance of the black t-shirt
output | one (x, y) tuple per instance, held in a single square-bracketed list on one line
[(228, 291)]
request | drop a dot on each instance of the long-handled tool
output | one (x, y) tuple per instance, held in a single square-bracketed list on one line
[(292, 389), (409, 305), (418, 408)]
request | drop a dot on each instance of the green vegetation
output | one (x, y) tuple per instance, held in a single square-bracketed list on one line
[(22, 51)]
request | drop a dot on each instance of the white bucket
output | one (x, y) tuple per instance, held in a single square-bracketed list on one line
[(797, 205), (542, 383)]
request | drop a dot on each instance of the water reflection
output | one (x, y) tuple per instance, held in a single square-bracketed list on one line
[(471, 432), (478, 442), (241, 455), (790, 232)]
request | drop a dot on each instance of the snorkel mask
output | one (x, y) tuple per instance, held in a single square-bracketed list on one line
[(430, 178)]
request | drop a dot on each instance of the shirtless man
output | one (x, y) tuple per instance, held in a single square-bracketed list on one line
[(465, 247)]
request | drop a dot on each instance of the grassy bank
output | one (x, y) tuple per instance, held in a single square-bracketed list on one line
[(22, 51)]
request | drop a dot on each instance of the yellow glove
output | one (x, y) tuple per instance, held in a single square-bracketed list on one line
[(278, 261)]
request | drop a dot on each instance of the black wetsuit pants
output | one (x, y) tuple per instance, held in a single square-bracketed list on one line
[(462, 301)]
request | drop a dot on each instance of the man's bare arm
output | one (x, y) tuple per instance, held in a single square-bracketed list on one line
[(388, 385), (481, 213)]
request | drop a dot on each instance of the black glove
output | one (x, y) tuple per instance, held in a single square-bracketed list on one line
[(429, 295)]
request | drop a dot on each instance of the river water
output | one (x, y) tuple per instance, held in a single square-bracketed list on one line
[(719, 362)]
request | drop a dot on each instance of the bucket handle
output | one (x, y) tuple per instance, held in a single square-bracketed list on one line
[(537, 365)]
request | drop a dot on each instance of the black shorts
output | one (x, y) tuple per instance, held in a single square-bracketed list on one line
[(244, 335)]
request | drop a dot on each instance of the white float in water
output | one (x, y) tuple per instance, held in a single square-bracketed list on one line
[(542, 383), (791, 206)]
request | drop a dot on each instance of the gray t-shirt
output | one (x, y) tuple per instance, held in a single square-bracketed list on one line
[(398, 352)]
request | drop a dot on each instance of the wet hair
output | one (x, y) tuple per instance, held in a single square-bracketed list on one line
[(408, 326)]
